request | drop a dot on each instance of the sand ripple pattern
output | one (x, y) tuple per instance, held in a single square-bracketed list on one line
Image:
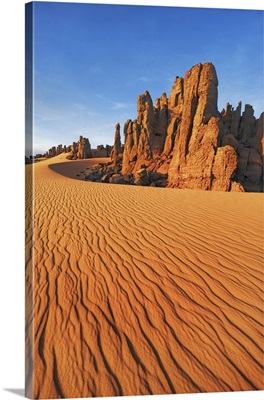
[(141, 290)]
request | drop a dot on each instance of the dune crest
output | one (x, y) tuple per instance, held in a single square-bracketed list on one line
[(139, 290)]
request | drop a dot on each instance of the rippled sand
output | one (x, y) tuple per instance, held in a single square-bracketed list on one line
[(141, 290)]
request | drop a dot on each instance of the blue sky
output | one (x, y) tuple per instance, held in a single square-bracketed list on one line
[(91, 61)]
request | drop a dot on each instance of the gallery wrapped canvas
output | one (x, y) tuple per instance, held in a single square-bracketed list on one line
[(144, 200)]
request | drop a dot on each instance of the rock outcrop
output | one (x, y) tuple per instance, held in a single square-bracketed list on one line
[(185, 142), (84, 148), (55, 151), (117, 148), (197, 138), (80, 150), (245, 134), (224, 166)]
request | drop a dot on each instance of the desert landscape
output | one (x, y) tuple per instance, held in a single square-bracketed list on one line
[(140, 290), (144, 269)]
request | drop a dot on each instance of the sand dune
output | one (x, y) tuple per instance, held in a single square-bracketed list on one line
[(141, 290)]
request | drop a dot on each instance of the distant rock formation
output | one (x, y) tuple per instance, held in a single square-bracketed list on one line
[(102, 151), (84, 148), (185, 142), (55, 151), (80, 150)]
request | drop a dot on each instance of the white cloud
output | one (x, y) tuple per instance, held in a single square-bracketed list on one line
[(100, 96), (144, 79), (119, 105), (80, 107)]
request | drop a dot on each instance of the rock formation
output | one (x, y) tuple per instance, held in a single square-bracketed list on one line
[(80, 150), (117, 148), (101, 151), (245, 134), (224, 166), (185, 142), (84, 148), (197, 136), (55, 151)]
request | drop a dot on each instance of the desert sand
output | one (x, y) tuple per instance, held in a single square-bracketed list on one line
[(140, 290)]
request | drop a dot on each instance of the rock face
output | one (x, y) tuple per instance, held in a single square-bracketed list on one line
[(225, 164), (84, 148), (245, 134), (80, 150), (117, 148), (186, 141), (197, 138), (101, 151)]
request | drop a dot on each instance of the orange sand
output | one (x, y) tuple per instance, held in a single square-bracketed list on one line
[(141, 290)]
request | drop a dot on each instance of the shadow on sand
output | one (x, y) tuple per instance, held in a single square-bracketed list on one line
[(18, 392)]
